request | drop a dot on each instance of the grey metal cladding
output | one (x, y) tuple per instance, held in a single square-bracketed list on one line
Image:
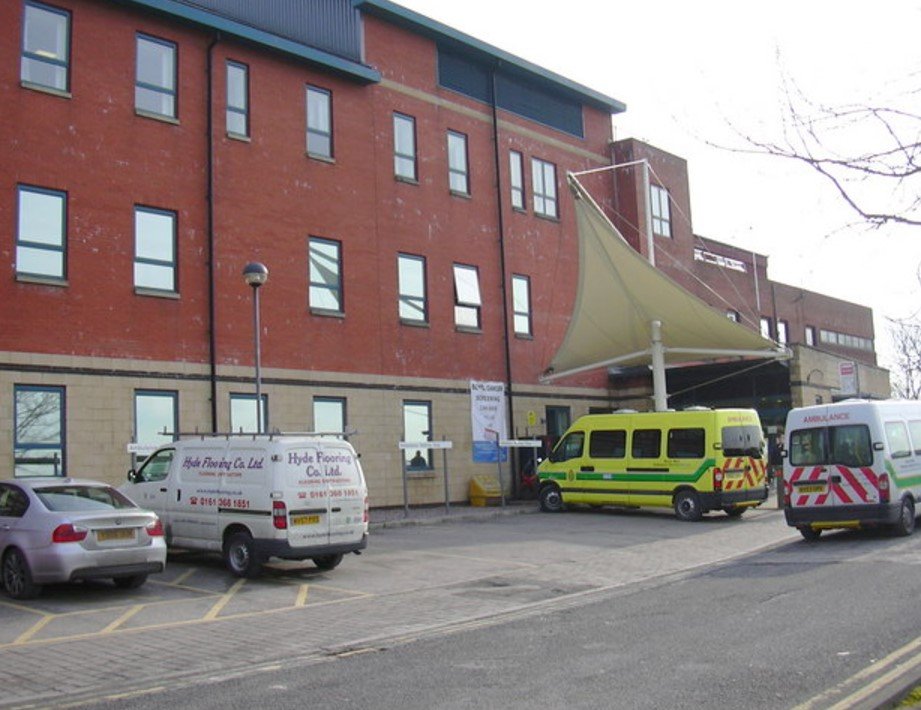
[(331, 25)]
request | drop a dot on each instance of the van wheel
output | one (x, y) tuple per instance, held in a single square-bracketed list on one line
[(551, 499), (809, 533), (687, 506), (132, 582), (905, 525), (327, 562), (240, 555)]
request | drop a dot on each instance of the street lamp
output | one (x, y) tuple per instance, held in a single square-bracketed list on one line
[(256, 274)]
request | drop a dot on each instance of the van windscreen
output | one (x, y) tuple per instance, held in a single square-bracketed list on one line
[(742, 441)]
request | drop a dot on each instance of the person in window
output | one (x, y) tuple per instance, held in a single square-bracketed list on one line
[(418, 461)]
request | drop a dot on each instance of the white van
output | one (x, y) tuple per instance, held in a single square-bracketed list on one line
[(252, 497), (853, 464)]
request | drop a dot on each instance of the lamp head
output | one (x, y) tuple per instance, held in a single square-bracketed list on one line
[(255, 274)]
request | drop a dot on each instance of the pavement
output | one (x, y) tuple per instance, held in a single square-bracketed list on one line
[(455, 512)]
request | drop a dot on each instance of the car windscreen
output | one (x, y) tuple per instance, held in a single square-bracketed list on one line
[(742, 441), (82, 498)]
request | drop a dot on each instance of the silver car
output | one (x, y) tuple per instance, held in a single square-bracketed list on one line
[(65, 530)]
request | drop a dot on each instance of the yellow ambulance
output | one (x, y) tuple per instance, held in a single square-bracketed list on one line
[(693, 461)]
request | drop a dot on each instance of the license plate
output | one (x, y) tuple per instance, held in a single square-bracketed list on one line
[(812, 488), (305, 519), (117, 534)]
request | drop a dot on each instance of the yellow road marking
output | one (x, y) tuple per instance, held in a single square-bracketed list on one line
[(184, 576), (36, 627), (22, 607), (302, 595), (224, 600), (122, 619)]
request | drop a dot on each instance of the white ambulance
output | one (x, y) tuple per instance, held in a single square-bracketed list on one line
[(853, 464), (252, 497)]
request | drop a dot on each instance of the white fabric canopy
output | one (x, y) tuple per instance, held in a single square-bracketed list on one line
[(621, 301)]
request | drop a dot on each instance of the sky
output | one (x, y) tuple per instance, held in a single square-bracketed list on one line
[(697, 75)]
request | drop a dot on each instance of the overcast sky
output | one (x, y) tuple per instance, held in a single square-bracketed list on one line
[(694, 73)]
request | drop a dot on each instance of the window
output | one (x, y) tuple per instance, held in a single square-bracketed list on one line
[(467, 301), (897, 436), (782, 332), (411, 274), (38, 416), (543, 178), (521, 304), (319, 122), (661, 212), (41, 236), (404, 147), (733, 315), (237, 99), (417, 426), (329, 414), (156, 467), (45, 47), (243, 414), (458, 177), (155, 412), (516, 178), (850, 445), (155, 79), (569, 448), (647, 444), (13, 501), (810, 335), (608, 444), (807, 447), (154, 249), (685, 443), (325, 275), (766, 327)]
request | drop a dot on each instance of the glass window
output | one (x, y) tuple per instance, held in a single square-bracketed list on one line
[(733, 315), (808, 447), (570, 447), (810, 335), (404, 147), (329, 414), (417, 426), (608, 444), (154, 249), (155, 78), (543, 177), (850, 445), (516, 178), (155, 412), (325, 275), (45, 47), (319, 122), (38, 416), (41, 235), (685, 443), (243, 414), (766, 327), (741, 441), (458, 177), (467, 301), (782, 332), (237, 99), (83, 498), (647, 444), (897, 436), (661, 212), (156, 467), (413, 306), (521, 304), (914, 429), (13, 501)]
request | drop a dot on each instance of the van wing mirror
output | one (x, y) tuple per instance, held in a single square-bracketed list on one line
[(878, 446), (132, 476)]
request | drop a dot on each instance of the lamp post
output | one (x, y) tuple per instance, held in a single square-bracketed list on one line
[(256, 274)]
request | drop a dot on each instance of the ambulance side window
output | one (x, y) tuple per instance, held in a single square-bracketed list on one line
[(647, 444), (608, 444), (685, 443), (850, 445), (914, 428), (569, 448), (897, 436)]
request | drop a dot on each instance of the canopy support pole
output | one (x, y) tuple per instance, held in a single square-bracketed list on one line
[(660, 398)]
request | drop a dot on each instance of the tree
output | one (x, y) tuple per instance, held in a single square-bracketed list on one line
[(906, 373)]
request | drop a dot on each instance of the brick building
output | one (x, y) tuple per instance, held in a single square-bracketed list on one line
[(403, 183)]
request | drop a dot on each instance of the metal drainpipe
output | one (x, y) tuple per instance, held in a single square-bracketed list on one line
[(212, 338), (503, 280)]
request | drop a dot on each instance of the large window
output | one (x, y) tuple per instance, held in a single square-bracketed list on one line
[(237, 99), (244, 415), (467, 301), (319, 122), (543, 177), (661, 211), (41, 234), (810, 335), (155, 412), (521, 304), (767, 327), (411, 273), (783, 329), (45, 47), (458, 174), (417, 426), (516, 178), (38, 429), (404, 147), (325, 275), (155, 78), (154, 249), (329, 414)]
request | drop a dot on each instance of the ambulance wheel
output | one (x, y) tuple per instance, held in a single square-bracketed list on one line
[(240, 555), (551, 499), (327, 562), (905, 525), (687, 506), (809, 533)]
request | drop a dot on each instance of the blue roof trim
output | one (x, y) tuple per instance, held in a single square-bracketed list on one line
[(201, 17), (401, 15)]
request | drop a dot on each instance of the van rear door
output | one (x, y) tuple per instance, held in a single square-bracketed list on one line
[(346, 486), (306, 495)]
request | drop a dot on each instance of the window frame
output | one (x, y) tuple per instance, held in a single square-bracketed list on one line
[(519, 315), (401, 158), (467, 303), (342, 402), (660, 211), (318, 132), (239, 398), (171, 91), (766, 326), (412, 300), (60, 444), (809, 334), (459, 174), (27, 56), (233, 109), (544, 188), (173, 265), (335, 291), (516, 181), (783, 332), (157, 439), (26, 244), (408, 453)]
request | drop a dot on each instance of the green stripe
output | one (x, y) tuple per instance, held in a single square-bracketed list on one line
[(902, 482)]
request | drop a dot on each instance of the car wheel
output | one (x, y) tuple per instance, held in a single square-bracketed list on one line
[(551, 499), (687, 506), (905, 525), (809, 533), (132, 582), (240, 555), (734, 512), (327, 562), (17, 578)]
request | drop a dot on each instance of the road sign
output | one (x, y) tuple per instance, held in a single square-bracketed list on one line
[(520, 443), (426, 444)]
